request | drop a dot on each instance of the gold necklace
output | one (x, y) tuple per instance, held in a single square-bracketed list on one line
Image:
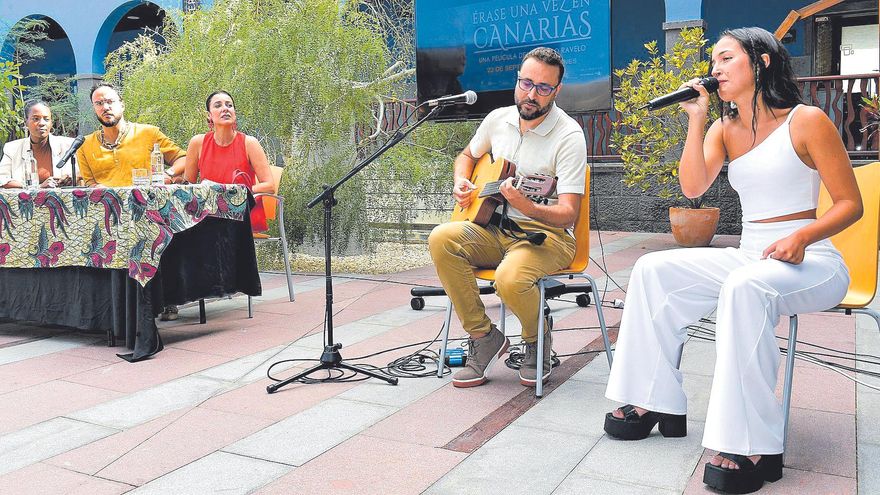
[(114, 144)]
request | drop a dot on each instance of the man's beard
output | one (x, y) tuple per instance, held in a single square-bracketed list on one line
[(113, 121), (540, 112)]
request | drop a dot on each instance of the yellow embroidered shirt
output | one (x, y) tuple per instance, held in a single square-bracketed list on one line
[(113, 168)]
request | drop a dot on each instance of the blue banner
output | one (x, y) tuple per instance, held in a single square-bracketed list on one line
[(479, 45)]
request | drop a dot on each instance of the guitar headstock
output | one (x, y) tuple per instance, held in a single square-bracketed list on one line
[(537, 187)]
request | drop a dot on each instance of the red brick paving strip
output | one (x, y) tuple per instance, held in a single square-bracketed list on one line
[(500, 418)]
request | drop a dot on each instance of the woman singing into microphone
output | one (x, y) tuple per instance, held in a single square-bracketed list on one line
[(778, 151)]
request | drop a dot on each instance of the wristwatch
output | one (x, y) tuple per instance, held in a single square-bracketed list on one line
[(169, 172)]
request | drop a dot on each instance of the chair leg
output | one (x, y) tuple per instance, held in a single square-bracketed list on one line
[(202, 318), (284, 252), (250, 307), (789, 374), (598, 303), (502, 321), (870, 312), (444, 340), (539, 377)]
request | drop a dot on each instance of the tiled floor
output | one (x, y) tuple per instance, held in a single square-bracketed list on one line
[(197, 418)]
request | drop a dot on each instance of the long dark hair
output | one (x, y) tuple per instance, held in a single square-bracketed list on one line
[(775, 83)]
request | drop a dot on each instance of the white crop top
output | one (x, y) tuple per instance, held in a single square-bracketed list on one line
[(772, 180)]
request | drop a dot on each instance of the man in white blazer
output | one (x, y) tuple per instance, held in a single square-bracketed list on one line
[(44, 147)]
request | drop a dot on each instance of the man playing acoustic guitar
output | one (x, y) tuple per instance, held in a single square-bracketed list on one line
[(525, 240)]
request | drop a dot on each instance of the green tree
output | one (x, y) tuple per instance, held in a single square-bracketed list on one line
[(650, 143), (11, 120), (302, 74)]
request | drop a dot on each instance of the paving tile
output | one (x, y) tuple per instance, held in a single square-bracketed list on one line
[(95, 456), (517, 460), (656, 461), (578, 484), (575, 407), (868, 418), (364, 466), (45, 401), (39, 479), (308, 434), (44, 440), (698, 358), (820, 389), (406, 391), (869, 471), (130, 377), (696, 389), (219, 472), (595, 371), (235, 370), (42, 347), (41, 369), (440, 417), (822, 442), (252, 399), (145, 405), (189, 437), (793, 482)]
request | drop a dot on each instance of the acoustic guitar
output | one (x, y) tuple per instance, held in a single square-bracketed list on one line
[(487, 177)]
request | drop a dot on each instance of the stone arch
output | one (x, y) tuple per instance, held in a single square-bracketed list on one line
[(59, 59), (124, 23)]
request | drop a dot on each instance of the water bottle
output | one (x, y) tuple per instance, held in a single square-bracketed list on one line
[(31, 173), (157, 166)]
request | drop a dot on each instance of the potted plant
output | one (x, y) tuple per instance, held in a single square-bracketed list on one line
[(650, 143)]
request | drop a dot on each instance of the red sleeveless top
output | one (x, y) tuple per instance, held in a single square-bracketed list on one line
[(230, 165)]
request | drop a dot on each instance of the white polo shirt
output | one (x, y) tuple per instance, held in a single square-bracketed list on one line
[(556, 147)]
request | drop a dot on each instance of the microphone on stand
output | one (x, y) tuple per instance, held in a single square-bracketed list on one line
[(468, 98), (71, 155), (683, 94), (70, 152)]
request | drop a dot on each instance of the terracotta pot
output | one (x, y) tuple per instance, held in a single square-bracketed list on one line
[(693, 227)]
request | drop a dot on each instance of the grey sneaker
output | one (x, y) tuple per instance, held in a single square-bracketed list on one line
[(528, 370), (482, 353), (169, 313)]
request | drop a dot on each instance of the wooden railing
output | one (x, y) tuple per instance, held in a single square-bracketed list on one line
[(838, 96)]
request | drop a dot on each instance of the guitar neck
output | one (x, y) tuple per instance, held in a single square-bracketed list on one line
[(492, 188)]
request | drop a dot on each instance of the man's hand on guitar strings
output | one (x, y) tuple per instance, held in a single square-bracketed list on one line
[(463, 192), (515, 197)]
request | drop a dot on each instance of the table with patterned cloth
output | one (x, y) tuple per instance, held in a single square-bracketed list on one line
[(109, 259)]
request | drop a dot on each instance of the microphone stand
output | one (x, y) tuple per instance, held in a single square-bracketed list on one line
[(331, 358)]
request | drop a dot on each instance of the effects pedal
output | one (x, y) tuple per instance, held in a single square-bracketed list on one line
[(455, 358)]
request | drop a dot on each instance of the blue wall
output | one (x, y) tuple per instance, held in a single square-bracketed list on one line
[(634, 23), (721, 15)]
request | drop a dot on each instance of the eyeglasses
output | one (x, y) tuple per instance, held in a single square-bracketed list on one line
[(541, 88), (101, 103)]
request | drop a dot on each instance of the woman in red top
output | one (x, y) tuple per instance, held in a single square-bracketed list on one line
[(228, 156)]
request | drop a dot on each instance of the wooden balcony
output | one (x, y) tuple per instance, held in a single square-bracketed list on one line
[(839, 96)]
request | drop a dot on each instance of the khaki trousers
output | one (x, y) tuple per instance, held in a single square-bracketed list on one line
[(459, 247)]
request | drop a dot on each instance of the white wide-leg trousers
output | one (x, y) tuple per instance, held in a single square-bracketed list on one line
[(669, 290)]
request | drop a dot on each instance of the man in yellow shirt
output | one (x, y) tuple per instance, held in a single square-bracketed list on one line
[(109, 154)]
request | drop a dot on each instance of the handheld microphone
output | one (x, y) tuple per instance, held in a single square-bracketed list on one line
[(468, 98), (73, 147), (683, 94)]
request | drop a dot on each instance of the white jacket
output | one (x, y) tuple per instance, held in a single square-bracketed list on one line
[(14, 162)]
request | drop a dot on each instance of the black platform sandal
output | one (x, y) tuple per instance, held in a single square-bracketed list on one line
[(635, 427), (750, 477)]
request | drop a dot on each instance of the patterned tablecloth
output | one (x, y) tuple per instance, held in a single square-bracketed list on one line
[(123, 228)]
